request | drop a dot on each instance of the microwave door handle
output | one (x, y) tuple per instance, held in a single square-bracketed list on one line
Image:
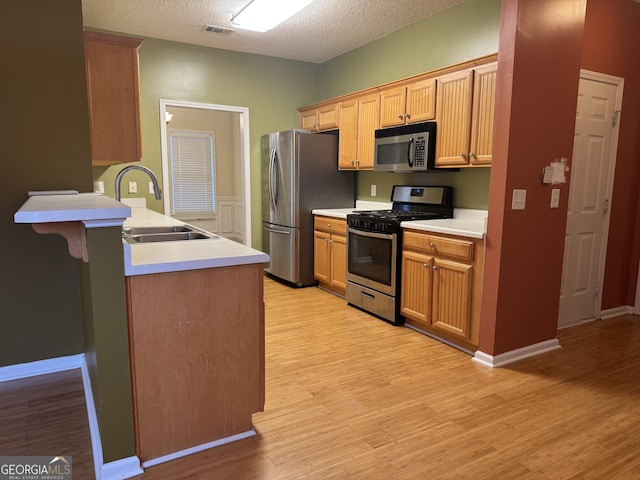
[(409, 156)]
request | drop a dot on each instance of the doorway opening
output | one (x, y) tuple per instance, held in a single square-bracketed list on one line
[(230, 216)]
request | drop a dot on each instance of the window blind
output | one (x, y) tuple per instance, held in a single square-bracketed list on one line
[(192, 174)]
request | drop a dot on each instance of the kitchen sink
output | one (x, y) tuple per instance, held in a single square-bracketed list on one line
[(164, 234), (147, 230)]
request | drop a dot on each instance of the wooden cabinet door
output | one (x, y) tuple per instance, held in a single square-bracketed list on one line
[(415, 302), (328, 117), (483, 113), (451, 311), (321, 256), (392, 106), (338, 261), (453, 115), (368, 123), (309, 120), (113, 97), (421, 101), (348, 141)]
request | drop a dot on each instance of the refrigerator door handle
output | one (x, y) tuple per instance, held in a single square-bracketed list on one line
[(277, 231), (273, 180)]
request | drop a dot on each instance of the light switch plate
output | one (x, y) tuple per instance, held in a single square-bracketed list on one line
[(133, 187), (519, 199), (373, 190), (555, 197)]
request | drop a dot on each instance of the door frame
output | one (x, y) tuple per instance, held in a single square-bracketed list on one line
[(245, 147), (618, 82)]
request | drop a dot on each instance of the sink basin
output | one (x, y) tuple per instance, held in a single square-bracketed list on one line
[(164, 234), (146, 230), (167, 237)]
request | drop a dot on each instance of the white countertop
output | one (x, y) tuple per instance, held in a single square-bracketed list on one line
[(465, 222), (162, 257), (69, 206)]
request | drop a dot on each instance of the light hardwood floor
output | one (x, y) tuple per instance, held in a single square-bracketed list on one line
[(352, 397)]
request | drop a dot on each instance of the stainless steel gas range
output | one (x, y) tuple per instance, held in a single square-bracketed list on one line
[(374, 247)]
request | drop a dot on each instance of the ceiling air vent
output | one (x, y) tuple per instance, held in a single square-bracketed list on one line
[(218, 30)]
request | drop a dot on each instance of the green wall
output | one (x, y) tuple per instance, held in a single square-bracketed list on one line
[(464, 32), (271, 88), (45, 137)]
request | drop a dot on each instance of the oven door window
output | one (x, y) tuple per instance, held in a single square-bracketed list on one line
[(371, 257)]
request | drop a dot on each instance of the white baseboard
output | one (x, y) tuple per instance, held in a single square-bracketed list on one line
[(515, 355), (116, 470), (198, 448), (120, 469), (41, 367), (616, 312)]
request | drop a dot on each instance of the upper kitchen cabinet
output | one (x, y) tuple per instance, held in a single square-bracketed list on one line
[(320, 119), (114, 98), (411, 103), (465, 115), (358, 119)]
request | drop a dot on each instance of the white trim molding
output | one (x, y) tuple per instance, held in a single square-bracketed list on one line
[(41, 367), (120, 469), (616, 312), (198, 448), (512, 356), (116, 470)]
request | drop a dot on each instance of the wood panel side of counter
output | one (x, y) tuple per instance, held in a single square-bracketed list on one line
[(197, 356)]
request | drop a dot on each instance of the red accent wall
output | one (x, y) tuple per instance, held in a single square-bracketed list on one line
[(538, 69), (612, 45)]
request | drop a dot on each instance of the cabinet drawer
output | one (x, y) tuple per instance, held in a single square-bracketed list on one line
[(329, 224), (435, 245)]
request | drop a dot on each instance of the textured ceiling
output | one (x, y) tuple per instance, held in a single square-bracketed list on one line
[(319, 32)]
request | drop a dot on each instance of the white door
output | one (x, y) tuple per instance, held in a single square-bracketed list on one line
[(593, 163)]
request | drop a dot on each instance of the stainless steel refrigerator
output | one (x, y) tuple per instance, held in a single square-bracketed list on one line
[(299, 173)]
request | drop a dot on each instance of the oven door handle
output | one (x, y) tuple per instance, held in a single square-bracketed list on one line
[(365, 233)]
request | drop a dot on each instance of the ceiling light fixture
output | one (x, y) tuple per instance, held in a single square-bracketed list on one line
[(263, 15)]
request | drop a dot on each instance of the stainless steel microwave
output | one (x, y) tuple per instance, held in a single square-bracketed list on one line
[(408, 148)]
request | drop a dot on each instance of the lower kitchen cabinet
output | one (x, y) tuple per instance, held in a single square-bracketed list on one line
[(441, 285), (330, 253), (197, 356)]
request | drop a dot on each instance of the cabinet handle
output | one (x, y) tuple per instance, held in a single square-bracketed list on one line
[(462, 155), (432, 245), (330, 241), (407, 116), (471, 154), (400, 117), (352, 162), (425, 265), (435, 267)]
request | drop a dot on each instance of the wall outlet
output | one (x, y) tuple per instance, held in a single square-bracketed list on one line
[(151, 190), (373, 190), (133, 187), (98, 186), (519, 199), (555, 197)]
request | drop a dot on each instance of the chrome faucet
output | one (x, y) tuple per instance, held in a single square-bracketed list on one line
[(156, 187)]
